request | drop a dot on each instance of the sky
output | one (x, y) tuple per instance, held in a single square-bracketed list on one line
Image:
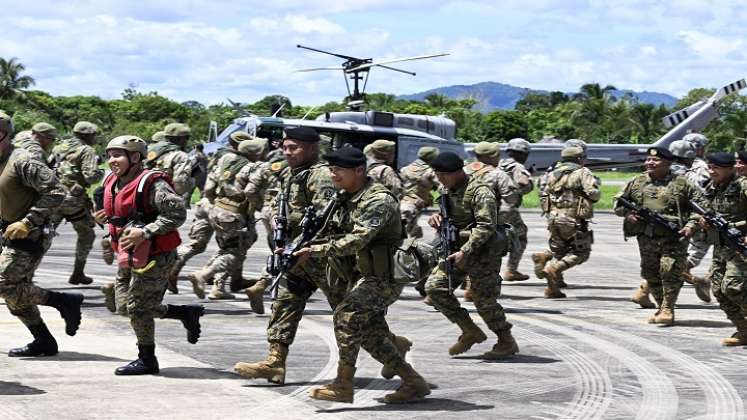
[(244, 50)]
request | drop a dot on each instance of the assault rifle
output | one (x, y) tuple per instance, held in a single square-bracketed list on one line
[(280, 263), (447, 232), (730, 235), (651, 217)]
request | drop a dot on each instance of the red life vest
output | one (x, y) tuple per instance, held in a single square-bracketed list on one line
[(131, 204)]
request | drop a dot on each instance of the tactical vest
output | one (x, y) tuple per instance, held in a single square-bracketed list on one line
[(15, 198), (157, 150), (130, 204), (565, 198), (226, 194), (730, 200), (461, 206), (295, 186), (667, 197), (483, 173), (66, 154)]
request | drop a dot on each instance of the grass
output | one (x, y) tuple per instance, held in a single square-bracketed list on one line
[(531, 200)]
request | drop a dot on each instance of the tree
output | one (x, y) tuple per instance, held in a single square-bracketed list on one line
[(12, 83), (437, 101), (505, 125)]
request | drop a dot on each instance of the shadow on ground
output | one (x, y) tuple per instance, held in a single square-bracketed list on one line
[(197, 373), (426, 404), (74, 356), (16, 388)]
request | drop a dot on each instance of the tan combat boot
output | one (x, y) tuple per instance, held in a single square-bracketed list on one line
[(641, 296), (468, 297), (198, 279), (665, 314), (552, 291), (272, 369), (413, 387), (218, 292), (340, 390), (739, 338), (560, 281), (702, 288), (540, 259), (403, 345), (255, 293), (109, 301), (514, 275), (505, 347), (471, 335), (107, 253), (174, 276), (428, 301)]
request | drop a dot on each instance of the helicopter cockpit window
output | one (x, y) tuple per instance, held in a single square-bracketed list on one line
[(270, 133), (405, 121), (383, 119)]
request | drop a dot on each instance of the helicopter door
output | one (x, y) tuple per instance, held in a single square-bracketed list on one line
[(407, 148)]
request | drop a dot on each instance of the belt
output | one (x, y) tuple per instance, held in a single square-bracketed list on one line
[(230, 207)]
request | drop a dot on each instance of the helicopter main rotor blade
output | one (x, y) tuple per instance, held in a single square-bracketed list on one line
[(317, 69), (396, 60), (411, 73), (347, 57)]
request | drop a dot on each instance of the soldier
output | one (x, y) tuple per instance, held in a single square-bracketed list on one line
[(77, 167), (474, 211), (234, 228), (518, 151), (201, 162), (143, 214), (38, 141), (306, 182), (168, 156), (663, 255), (368, 229), (419, 181), (727, 194), (29, 191), (740, 166), (156, 137), (699, 165), (380, 156), (568, 201)]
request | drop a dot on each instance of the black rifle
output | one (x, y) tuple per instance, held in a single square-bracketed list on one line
[(731, 236), (311, 225), (651, 217), (279, 233), (447, 233)]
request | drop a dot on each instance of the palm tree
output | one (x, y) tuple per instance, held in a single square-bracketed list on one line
[(595, 91), (437, 101), (11, 81)]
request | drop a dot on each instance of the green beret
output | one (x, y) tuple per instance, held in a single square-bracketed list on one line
[(485, 148), (427, 153), (85, 127), (158, 136), (239, 136), (383, 147), (176, 130), (447, 162), (302, 134), (346, 157), (722, 159), (572, 152), (252, 147), (45, 129), (6, 124)]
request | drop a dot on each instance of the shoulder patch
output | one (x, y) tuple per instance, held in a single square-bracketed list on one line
[(476, 165), (276, 166), (374, 221), (152, 155)]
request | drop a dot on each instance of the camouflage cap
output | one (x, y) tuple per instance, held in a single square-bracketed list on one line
[(700, 141), (252, 147), (518, 145), (239, 136), (682, 149), (427, 153), (129, 143), (6, 124), (572, 152), (45, 129), (382, 147), (486, 148), (85, 127), (158, 136), (367, 150), (176, 130)]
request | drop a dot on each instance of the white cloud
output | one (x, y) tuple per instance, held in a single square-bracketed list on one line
[(648, 50), (710, 47)]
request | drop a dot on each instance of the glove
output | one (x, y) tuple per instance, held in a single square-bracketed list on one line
[(17, 230)]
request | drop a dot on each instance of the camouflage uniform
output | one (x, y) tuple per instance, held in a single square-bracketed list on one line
[(699, 176), (382, 173), (419, 181), (663, 256), (474, 211), (77, 166), (509, 213), (169, 158), (567, 199), (728, 269)]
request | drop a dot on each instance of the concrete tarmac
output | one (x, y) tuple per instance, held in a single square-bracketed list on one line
[(591, 355)]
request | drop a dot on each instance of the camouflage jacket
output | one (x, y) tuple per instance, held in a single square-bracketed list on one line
[(29, 189), (241, 182), (169, 158), (305, 186), (730, 200), (264, 183), (700, 172), (418, 180), (571, 191), (503, 187), (473, 209), (221, 181), (33, 147), (522, 180), (384, 174), (77, 163)]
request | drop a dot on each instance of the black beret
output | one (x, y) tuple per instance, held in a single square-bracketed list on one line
[(447, 162), (346, 157), (303, 134), (742, 156), (721, 159), (661, 152)]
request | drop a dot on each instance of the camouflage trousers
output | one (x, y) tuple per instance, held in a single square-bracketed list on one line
[(727, 274), (141, 294), (698, 249), (359, 321), (16, 286), (513, 218), (570, 242), (483, 270), (76, 210), (663, 261), (235, 235), (410, 212), (200, 233)]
